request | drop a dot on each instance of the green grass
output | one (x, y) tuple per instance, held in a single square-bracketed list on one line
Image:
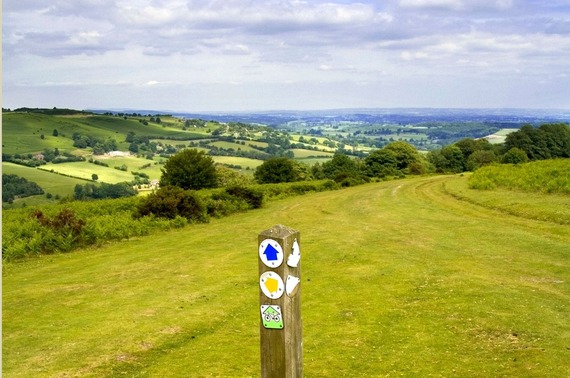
[(302, 154), (399, 278), (547, 176), (134, 164), (241, 161), (500, 136), (236, 146), (23, 130), (256, 143), (49, 182), (552, 208), (85, 169), (312, 161), (21, 134)]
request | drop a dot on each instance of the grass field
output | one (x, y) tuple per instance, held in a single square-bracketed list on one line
[(500, 136), (554, 207), (302, 154), (399, 278), (235, 146), (135, 164), (235, 160), (24, 131), (85, 169), (257, 143), (49, 182), (24, 134), (548, 176)]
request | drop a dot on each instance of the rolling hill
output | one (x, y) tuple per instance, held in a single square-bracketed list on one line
[(406, 277)]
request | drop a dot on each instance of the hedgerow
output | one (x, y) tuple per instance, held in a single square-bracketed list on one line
[(64, 227), (545, 176)]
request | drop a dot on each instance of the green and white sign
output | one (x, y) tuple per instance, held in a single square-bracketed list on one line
[(271, 317)]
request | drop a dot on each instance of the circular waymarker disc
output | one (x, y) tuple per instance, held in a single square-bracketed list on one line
[(272, 285), (271, 253)]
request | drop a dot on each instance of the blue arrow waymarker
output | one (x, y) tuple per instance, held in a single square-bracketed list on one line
[(271, 253)]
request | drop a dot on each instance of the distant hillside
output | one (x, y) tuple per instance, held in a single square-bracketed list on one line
[(53, 111), (82, 144)]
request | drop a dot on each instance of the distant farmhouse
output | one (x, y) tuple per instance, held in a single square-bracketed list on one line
[(118, 153)]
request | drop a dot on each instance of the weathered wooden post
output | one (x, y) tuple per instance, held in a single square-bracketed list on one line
[(280, 303)]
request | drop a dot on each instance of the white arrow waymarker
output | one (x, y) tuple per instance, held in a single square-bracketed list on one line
[(271, 285), (271, 253), (295, 256), (291, 285)]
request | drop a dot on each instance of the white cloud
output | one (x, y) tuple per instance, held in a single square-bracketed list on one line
[(276, 45), (445, 4)]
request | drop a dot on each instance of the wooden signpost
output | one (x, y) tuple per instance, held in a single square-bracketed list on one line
[(280, 302)]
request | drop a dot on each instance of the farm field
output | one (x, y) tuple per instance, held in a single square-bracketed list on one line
[(399, 278), (84, 170), (135, 164), (257, 143), (301, 153), (24, 131), (500, 136), (236, 160), (50, 183), (235, 146)]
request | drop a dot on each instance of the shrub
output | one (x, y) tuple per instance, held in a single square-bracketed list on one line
[(253, 197), (546, 176), (515, 156), (61, 232), (170, 202)]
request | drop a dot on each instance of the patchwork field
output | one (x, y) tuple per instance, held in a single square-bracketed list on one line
[(51, 183), (302, 154), (500, 136), (241, 161), (85, 170), (401, 278)]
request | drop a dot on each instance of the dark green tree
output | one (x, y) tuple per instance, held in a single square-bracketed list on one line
[(514, 156), (549, 141), (133, 147), (454, 159), (479, 159), (274, 170), (343, 168), (449, 159), (189, 169), (405, 153), (381, 163)]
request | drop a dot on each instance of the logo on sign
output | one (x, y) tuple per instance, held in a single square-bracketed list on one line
[(271, 253), (271, 317), (272, 285)]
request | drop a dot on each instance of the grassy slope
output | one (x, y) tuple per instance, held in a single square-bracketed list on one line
[(398, 278), (23, 131), (85, 169), (235, 160), (49, 182)]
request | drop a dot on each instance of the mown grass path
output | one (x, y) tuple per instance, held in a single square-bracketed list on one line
[(398, 279)]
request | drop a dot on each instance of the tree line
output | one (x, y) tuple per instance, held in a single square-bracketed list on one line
[(14, 186)]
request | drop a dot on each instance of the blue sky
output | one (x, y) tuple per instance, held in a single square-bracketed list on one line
[(230, 55)]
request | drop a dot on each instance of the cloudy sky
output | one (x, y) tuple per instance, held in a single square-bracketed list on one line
[(228, 55)]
